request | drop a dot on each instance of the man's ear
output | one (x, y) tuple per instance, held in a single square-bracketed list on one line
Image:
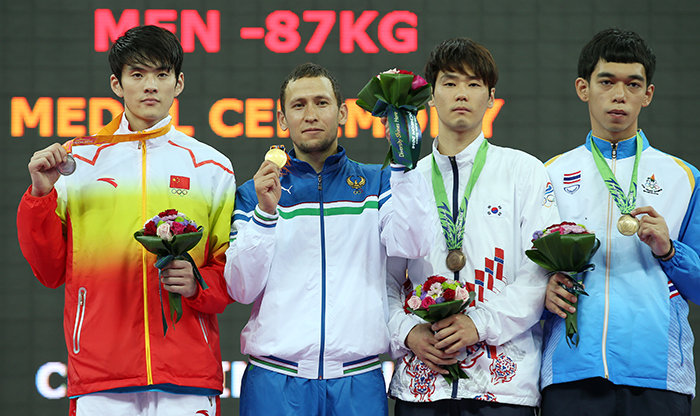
[(180, 84), (116, 86), (492, 98), (281, 119), (342, 114), (649, 95), (582, 89)]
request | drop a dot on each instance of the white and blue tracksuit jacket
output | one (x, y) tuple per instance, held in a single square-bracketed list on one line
[(633, 327), (316, 270)]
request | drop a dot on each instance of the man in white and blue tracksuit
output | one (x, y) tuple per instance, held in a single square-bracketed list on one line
[(635, 345), (309, 249)]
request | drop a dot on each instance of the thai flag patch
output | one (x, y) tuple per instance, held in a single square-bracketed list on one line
[(571, 182), (673, 290)]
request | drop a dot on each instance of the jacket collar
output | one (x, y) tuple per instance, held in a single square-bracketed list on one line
[(464, 159), (625, 148), (156, 141), (332, 163)]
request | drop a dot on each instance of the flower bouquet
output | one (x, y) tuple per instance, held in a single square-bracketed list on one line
[(170, 235), (398, 95), (436, 299), (566, 248)]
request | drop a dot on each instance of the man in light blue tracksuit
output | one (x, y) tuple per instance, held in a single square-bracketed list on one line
[(309, 249), (635, 349)]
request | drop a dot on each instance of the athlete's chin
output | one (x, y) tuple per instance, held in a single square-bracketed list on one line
[(316, 146)]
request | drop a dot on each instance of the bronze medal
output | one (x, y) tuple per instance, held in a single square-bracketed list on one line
[(627, 225), (456, 260)]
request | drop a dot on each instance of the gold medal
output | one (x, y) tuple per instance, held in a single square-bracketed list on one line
[(456, 260), (627, 224), (277, 156)]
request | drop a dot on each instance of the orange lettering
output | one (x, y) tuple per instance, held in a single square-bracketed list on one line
[(175, 114), (22, 115), (490, 116), (434, 122), (216, 117), (422, 118), (258, 110), (282, 134), (96, 108), (361, 119), (68, 110)]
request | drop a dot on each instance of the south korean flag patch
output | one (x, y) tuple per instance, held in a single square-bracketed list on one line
[(494, 211)]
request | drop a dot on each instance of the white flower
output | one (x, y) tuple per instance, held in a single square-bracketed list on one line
[(164, 232), (435, 289), (388, 71), (414, 302)]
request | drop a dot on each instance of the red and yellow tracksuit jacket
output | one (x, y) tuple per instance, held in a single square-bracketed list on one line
[(81, 235)]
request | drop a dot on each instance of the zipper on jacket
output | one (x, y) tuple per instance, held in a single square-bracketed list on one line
[(455, 207), (323, 280), (79, 317), (144, 215), (608, 257)]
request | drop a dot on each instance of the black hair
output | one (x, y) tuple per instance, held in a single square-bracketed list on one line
[(310, 70), (615, 45), (146, 45), (457, 54)]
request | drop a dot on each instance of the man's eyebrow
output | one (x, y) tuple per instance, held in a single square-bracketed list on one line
[(452, 75), (611, 75)]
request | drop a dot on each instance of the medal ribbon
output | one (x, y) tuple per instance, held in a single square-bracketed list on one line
[(107, 136), (626, 205), (453, 227)]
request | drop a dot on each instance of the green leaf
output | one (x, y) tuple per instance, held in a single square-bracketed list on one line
[(394, 89), (183, 243), (443, 310), (175, 301), (419, 97), (567, 253), (153, 243), (368, 96), (397, 87)]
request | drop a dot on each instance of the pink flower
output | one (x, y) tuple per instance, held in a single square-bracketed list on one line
[(177, 227), (414, 302), (563, 229), (427, 302), (164, 232), (461, 293), (418, 82)]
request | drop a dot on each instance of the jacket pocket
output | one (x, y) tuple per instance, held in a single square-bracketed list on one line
[(79, 316), (203, 326)]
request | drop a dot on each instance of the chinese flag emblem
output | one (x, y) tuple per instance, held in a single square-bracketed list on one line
[(179, 182)]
